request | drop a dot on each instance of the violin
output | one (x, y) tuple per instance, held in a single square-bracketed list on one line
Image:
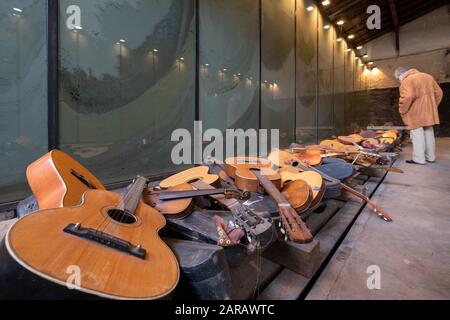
[(177, 202)]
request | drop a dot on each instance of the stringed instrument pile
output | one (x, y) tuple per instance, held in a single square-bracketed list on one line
[(113, 238)]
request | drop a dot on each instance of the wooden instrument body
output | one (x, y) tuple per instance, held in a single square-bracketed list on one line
[(190, 175), (313, 179), (298, 194), (240, 168), (38, 243), (262, 228), (173, 209), (57, 180)]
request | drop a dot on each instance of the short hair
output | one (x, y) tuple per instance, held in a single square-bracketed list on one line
[(399, 72)]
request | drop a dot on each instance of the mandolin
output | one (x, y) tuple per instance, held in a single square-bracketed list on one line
[(57, 180), (111, 239), (177, 202)]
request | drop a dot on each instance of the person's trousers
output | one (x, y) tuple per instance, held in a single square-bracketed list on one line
[(424, 146)]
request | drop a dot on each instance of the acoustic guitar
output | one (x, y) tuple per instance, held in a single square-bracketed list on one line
[(57, 180), (112, 241), (313, 179), (304, 167), (238, 169), (259, 229)]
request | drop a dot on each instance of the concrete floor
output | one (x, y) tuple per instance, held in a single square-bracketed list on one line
[(413, 252)]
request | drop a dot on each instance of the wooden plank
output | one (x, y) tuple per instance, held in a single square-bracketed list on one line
[(288, 285), (249, 277), (302, 258)]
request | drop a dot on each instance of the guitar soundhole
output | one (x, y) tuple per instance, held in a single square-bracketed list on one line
[(193, 180), (121, 216), (295, 163)]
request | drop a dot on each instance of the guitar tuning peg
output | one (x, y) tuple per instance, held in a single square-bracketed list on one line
[(279, 224), (283, 231), (286, 238)]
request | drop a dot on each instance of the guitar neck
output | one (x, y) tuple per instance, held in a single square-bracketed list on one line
[(174, 195), (295, 227), (382, 214)]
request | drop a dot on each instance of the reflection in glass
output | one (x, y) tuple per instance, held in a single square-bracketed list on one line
[(325, 79), (306, 115), (229, 63), (339, 87), (127, 77), (23, 92), (349, 85), (278, 68)]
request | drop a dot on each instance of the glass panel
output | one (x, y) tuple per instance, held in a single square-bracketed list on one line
[(23, 92), (306, 115), (349, 85), (339, 86), (325, 79), (229, 63), (126, 82), (278, 68)]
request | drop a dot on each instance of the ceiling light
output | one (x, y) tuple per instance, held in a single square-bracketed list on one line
[(182, 59), (310, 8), (155, 50), (325, 3), (359, 47), (349, 49), (340, 22), (122, 40), (370, 63), (327, 26), (351, 36), (339, 39), (17, 10), (365, 55)]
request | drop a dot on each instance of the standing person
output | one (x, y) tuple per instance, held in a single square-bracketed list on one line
[(420, 96)]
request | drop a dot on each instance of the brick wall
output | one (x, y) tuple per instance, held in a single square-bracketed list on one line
[(380, 106)]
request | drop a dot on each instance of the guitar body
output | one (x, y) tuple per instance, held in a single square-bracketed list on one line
[(173, 209), (57, 180), (40, 244), (190, 175), (240, 168), (299, 195), (313, 179)]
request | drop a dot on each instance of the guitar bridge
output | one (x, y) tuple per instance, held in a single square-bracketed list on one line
[(106, 240)]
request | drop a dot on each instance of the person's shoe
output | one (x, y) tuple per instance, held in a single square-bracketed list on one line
[(413, 162), (431, 161)]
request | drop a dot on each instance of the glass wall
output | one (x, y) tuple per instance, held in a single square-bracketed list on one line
[(278, 68), (229, 63), (306, 40), (339, 87), (128, 71), (127, 80), (349, 83), (325, 78), (23, 92)]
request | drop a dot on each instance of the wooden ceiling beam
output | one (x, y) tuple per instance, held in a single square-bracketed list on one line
[(396, 24)]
